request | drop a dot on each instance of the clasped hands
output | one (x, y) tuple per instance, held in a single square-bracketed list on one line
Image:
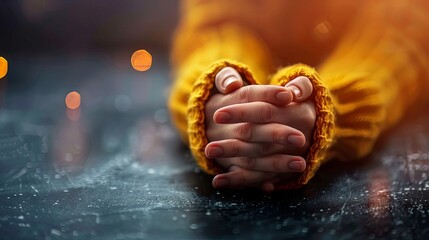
[(260, 134)]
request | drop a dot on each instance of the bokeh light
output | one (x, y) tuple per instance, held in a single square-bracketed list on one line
[(141, 60), (73, 100), (322, 31), (3, 67)]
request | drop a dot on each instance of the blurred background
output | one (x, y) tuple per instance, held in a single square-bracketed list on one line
[(82, 27), (57, 46)]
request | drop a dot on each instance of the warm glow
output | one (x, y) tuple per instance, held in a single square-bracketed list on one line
[(141, 60), (73, 100), (3, 67)]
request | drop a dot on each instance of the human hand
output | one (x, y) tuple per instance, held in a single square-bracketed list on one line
[(257, 133)]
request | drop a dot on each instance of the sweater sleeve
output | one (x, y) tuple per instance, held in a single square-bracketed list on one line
[(200, 50), (378, 71)]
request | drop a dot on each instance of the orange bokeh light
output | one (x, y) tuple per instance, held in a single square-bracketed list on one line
[(3, 67), (141, 60), (73, 100)]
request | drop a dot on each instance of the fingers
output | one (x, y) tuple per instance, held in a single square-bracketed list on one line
[(275, 163), (260, 133), (229, 148), (299, 117), (276, 95), (255, 112), (240, 178), (301, 88), (228, 80)]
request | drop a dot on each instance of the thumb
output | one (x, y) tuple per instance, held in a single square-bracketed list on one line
[(301, 88), (228, 80)]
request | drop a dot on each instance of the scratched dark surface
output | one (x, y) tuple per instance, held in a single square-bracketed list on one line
[(120, 172)]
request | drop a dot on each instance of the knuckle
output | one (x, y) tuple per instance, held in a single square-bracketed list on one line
[(244, 131), (267, 148), (247, 162), (276, 135), (244, 94), (267, 112), (276, 164), (235, 150)]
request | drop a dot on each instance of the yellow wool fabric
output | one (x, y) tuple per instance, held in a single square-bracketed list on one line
[(372, 70)]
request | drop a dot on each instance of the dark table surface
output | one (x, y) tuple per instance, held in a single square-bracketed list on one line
[(120, 172)]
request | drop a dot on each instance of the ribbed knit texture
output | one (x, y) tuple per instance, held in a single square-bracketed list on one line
[(324, 127), (377, 67)]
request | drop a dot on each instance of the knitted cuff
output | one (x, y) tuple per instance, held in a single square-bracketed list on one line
[(324, 127), (201, 92)]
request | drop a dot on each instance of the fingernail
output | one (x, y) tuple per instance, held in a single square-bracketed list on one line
[(296, 91), (222, 117), (296, 140), (283, 97), (220, 183), (214, 152), (228, 81), (296, 166)]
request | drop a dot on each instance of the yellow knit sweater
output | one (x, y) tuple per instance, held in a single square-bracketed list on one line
[(368, 62)]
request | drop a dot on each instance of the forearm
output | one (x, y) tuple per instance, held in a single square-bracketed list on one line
[(377, 73)]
